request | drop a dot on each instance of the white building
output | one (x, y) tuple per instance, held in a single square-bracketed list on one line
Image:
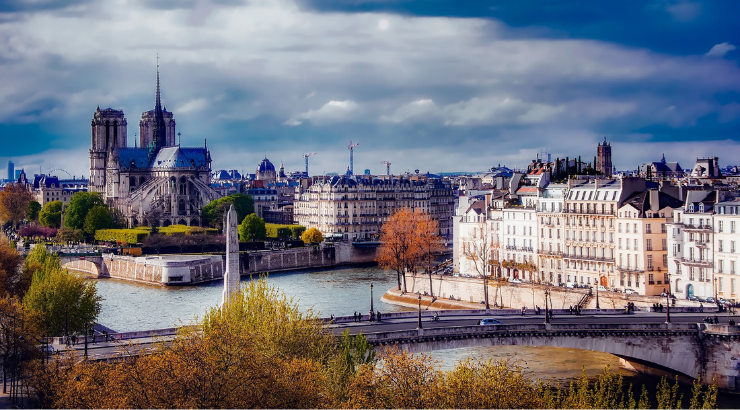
[(726, 248)]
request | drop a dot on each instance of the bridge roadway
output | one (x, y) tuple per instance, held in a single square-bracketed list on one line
[(643, 341)]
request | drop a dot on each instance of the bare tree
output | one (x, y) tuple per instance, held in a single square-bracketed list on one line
[(482, 250), (430, 243)]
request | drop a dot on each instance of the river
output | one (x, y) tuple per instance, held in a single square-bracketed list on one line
[(130, 306)]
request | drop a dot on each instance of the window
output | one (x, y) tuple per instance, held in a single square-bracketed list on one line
[(732, 267), (662, 228), (665, 261), (732, 226), (721, 266), (732, 246), (635, 244), (650, 262), (720, 245), (620, 243), (649, 245), (720, 226), (648, 229), (651, 279)]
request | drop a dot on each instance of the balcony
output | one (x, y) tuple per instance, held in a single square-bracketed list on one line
[(700, 244), (702, 263), (690, 227), (551, 253), (629, 270), (588, 258), (577, 212)]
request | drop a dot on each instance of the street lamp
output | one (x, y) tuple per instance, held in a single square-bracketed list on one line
[(547, 311), (371, 301), (667, 301), (419, 325), (597, 294)]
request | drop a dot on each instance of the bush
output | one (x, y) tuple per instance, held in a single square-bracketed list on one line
[(32, 231), (284, 231), (187, 230), (128, 236)]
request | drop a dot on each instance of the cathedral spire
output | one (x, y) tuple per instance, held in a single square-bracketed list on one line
[(159, 139)]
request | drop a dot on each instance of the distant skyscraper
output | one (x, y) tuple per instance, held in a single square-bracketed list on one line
[(18, 174), (604, 158), (11, 170)]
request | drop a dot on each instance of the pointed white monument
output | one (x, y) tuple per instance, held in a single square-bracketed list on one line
[(231, 276)]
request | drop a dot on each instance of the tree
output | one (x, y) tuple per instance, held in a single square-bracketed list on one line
[(252, 228), (312, 236), (12, 279), (98, 218), (51, 214), (80, 204), (213, 213), (400, 246), (17, 341), (14, 200), (430, 243), (481, 248), (33, 210), (58, 300), (66, 235)]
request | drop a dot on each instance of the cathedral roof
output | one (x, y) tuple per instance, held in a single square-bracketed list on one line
[(176, 157), (133, 157)]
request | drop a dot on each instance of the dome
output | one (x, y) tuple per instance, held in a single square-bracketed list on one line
[(265, 166)]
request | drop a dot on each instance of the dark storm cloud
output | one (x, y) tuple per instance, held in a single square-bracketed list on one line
[(429, 84), (15, 6)]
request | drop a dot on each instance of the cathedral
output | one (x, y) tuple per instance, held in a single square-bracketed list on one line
[(157, 182)]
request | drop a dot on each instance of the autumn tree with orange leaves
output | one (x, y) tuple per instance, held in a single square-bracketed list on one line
[(408, 239), (14, 200)]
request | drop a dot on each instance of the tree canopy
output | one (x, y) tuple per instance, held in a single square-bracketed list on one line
[(406, 238), (51, 214), (55, 292), (80, 204), (12, 281), (312, 236), (33, 210), (14, 200), (213, 213), (252, 228), (98, 217)]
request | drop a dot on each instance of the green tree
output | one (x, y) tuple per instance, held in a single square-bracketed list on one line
[(99, 217), (65, 235), (55, 293), (51, 214), (252, 228), (213, 213), (80, 204), (14, 200), (33, 210), (312, 236)]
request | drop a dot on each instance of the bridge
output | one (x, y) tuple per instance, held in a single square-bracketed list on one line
[(686, 347), (643, 342)]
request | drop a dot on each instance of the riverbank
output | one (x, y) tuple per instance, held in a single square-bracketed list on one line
[(468, 293)]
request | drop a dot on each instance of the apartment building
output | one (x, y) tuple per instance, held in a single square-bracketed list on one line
[(690, 246), (727, 248), (642, 257), (551, 227), (355, 207)]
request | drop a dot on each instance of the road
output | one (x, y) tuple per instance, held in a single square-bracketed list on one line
[(452, 321)]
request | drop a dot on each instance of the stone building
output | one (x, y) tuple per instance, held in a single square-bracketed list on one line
[(604, 158), (727, 248), (158, 182), (355, 207)]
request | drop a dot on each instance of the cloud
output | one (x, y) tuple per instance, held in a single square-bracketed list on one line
[(331, 111), (683, 10), (192, 106), (719, 50)]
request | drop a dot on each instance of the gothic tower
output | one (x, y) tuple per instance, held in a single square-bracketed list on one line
[(604, 158), (157, 126), (108, 134)]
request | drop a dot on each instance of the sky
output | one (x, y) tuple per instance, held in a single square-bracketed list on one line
[(434, 85)]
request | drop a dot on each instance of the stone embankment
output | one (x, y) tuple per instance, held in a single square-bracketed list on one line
[(468, 293)]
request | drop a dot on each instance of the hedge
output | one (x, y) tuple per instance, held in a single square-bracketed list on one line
[(187, 230), (121, 235), (284, 231)]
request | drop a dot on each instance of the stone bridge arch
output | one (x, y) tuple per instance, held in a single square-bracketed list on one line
[(91, 265), (673, 351)]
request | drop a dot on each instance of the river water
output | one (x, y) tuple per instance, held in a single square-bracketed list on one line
[(131, 306)]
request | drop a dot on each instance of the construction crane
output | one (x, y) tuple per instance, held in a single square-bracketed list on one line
[(387, 167), (305, 156), (351, 149)]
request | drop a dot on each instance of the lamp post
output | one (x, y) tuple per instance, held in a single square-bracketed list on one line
[(86, 332), (668, 301), (66, 323), (547, 311), (419, 325), (371, 301), (597, 294)]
